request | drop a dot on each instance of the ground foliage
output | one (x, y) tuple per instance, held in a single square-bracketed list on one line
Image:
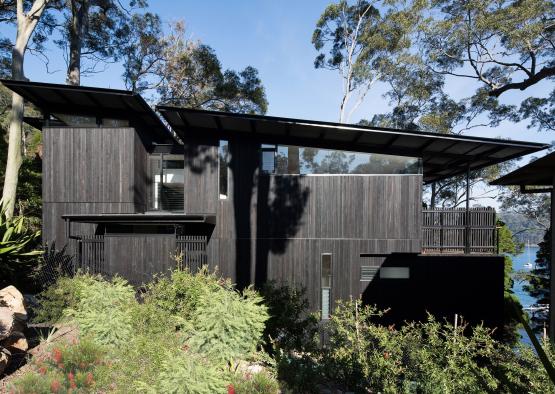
[(183, 333), (193, 333)]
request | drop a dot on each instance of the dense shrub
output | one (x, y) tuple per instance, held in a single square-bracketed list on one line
[(290, 326), (65, 294), (228, 325), (179, 293), (186, 335), (425, 357), (188, 373), (103, 311)]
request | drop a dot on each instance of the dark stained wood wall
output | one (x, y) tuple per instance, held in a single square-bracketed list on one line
[(138, 257), (277, 226), (201, 176), (90, 170)]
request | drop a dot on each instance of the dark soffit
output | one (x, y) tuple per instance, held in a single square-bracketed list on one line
[(91, 101), (443, 156), (540, 172)]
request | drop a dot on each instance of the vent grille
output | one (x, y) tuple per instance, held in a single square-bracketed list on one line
[(367, 272)]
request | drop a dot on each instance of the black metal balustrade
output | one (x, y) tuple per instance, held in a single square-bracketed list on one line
[(458, 231)]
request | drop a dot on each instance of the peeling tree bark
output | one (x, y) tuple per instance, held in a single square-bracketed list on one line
[(26, 23)]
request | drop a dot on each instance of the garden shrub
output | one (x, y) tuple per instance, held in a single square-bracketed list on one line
[(103, 310), (426, 357), (290, 326), (188, 373), (180, 292), (361, 355), (227, 325), (64, 294)]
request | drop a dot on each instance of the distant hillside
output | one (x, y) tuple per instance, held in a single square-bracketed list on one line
[(526, 230)]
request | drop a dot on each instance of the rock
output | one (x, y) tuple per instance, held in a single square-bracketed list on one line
[(7, 322), (4, 359), (15, 343), (13, 299)]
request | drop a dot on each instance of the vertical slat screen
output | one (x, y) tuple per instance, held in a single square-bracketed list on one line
[(193, 250), (455, 231), (91, 254)]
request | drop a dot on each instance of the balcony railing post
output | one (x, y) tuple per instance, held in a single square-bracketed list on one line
[(467, 216)]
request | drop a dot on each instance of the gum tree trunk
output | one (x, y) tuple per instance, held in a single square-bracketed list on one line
[(77, 30), (26, 24)]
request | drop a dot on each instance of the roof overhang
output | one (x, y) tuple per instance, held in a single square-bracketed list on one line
[(90, 101), (443, 156), (140, 218), (540, 172)]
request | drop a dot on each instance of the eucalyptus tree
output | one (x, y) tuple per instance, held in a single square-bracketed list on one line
[(358, 40), (143, 52), (26, 16), (186, 72), (92, 33), (502, 45)]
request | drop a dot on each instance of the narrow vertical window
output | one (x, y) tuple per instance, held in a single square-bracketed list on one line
[(268, 158), (326, 282), (223, 168)]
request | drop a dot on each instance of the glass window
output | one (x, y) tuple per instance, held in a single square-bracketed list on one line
[(268, 158), (326, 282), (394, 273), (286, 159), (106, 122), (77, 120), (223, 167), (167, 188)]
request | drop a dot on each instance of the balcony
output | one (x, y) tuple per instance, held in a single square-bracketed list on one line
[(458, 231)]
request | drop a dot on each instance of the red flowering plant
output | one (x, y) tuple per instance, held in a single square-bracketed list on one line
[(65, 368)]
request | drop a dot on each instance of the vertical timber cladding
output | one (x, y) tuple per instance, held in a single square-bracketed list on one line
[(137, 257), (201, 175), (90, 170), (277, 226)]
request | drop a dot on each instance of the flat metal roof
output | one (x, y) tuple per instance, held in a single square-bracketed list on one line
[(83, 100), (443, 156), (540, 172), (141, 218)]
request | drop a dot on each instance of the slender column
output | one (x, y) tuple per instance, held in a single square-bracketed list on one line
[(552, 270), (467, 215)]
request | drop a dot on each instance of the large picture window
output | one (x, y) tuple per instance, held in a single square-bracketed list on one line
[(286, 159), (167, 189)]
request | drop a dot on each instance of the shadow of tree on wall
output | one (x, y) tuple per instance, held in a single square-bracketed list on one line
[(281, 203), (278, 204)]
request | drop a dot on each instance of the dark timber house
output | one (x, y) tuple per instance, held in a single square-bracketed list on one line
[(334, 208)]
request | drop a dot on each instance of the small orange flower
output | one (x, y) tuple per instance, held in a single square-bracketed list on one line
[(230, 389), (57, 355), (89, 379), (71, 376), (42, 370), (55, 386)]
